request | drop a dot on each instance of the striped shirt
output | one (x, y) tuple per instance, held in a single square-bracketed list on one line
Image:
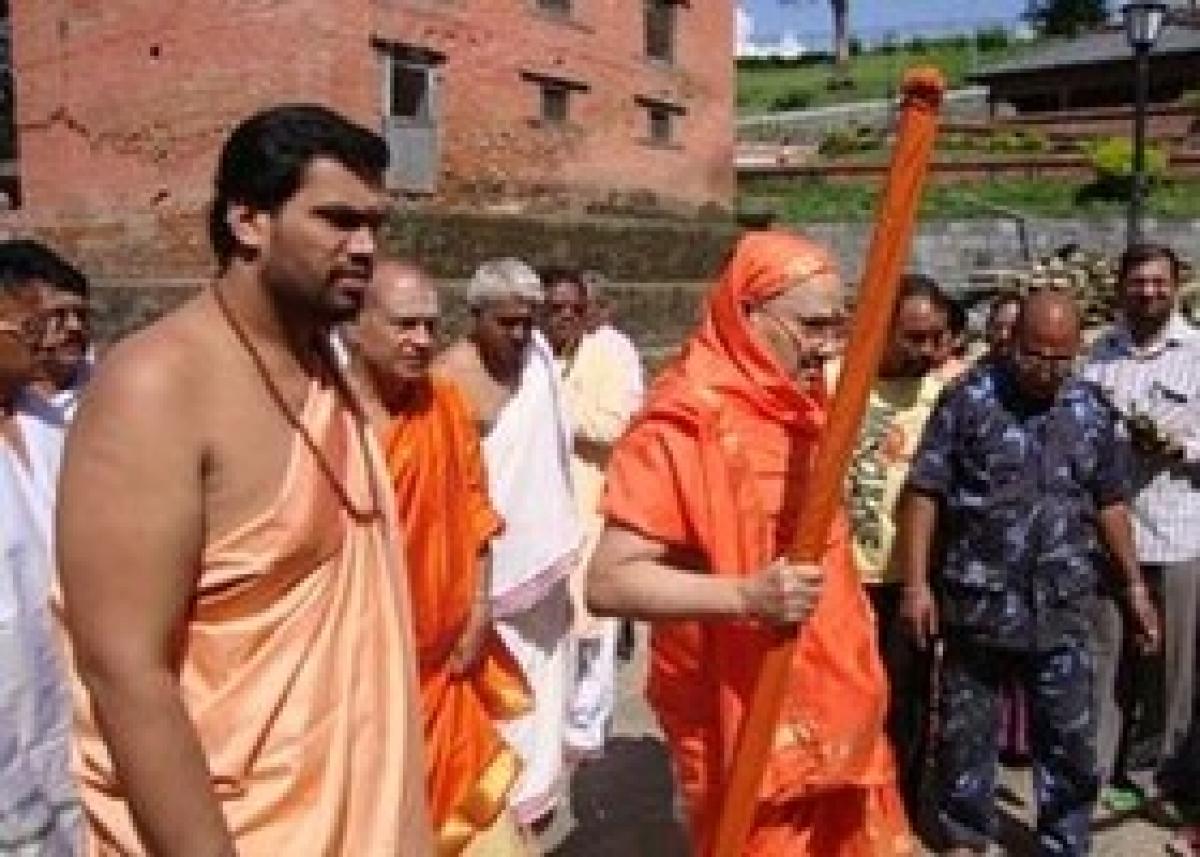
[(1162, 381)]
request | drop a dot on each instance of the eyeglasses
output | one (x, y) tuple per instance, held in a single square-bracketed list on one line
[(828, 328), (1058, 363), (29, 329)]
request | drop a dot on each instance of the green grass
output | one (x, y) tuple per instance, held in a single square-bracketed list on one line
[(875, 75), (816, 202)]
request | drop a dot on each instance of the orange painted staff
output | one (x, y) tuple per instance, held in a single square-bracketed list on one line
[(921, 97)]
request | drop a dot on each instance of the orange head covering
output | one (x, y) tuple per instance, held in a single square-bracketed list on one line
[(725, 354)]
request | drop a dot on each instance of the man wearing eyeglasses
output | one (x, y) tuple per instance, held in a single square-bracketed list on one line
[(59, 338), (1023, 473), (63, 348), (602, 388), (1149, 366), (39, 807)]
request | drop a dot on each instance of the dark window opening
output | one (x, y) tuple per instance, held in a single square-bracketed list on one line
[(556, 101), (410, 91), (554, 94), (661, 23), (661, 122), (556, 7), (9, 176)]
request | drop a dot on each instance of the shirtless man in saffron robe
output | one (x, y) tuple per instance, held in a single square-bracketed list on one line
[(468, 679), (700, 506), (232, 583)]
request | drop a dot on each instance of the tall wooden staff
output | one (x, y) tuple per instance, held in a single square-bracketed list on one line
[(894, 223)]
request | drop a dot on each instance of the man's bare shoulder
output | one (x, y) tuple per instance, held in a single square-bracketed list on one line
[(458, 359), (159, 371)]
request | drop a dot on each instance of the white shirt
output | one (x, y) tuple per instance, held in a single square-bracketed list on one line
[(1161, 380)]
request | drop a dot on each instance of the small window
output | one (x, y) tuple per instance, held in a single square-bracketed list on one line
[(556, 101), (662, 118), (661, 125), (660, 29), (410, 91), (554, 95), (555, 7)]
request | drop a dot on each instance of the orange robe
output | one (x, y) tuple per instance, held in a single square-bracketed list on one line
[(298, 670), (433, 454), (713, 466)]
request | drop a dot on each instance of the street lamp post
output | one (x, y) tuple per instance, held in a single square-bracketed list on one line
[(1143, 21)]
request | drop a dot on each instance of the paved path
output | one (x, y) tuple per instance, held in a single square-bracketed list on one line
[(624, 804)]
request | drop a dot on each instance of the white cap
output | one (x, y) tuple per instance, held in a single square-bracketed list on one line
[(504, 278)]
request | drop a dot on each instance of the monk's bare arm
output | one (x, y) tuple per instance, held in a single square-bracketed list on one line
[(632, 575), (129, 540)]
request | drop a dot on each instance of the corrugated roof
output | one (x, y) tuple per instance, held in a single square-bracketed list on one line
[(1092, 49)]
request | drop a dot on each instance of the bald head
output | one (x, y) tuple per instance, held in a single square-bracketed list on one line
[(398, 288), (1049, 312), (397, 330), (1047, 334)]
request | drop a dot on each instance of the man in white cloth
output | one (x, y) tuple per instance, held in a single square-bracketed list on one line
[(602, 387), (506, 370), (40, 812), (62, 355)]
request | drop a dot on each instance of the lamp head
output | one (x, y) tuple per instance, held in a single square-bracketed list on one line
[(1143, 22)]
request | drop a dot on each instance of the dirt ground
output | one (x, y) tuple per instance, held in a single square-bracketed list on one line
[(624, 804)]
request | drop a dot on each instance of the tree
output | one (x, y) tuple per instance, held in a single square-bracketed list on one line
[(1065, 17), (841, 28), (841, 31)]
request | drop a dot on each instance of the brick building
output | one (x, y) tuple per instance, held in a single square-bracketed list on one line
[(598, 105)]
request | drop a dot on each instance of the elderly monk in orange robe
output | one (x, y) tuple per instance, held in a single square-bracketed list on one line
[(700, 505), (468, 679)]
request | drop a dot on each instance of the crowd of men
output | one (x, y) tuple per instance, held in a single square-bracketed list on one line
[(301, 580)]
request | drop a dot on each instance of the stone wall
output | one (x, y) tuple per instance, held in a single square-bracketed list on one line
[(950, 250), (660, 271)]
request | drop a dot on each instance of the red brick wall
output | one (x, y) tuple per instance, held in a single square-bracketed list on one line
[(122, 104), (487, 108)]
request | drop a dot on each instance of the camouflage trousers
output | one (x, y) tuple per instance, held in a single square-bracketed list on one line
[(1058, 684)]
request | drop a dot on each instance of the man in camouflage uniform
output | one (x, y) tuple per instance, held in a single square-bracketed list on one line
[(1025, 469)]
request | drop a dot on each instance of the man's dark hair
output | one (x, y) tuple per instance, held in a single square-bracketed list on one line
[(24, 261), (924, 286), (264, 161), (1139, 254), (552, 275)]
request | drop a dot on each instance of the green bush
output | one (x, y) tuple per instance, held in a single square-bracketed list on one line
[(1112, 160), (956, 142), (792, 99), (849, 141), (1031, 142), (917, 46), (840, 82), (1017, 143), (992, 39), (1190, 100)]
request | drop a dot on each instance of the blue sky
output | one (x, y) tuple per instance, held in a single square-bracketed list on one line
[(810, 19)]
